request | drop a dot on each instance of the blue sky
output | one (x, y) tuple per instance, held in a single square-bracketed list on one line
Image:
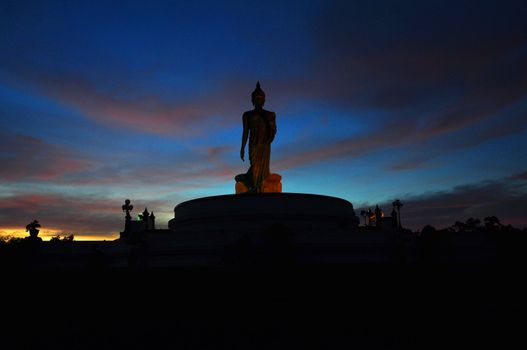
[(101, 101)]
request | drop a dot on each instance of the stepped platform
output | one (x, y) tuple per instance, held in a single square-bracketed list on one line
[(250, 212)]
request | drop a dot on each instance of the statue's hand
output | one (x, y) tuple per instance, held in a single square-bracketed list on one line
[(242, 154)]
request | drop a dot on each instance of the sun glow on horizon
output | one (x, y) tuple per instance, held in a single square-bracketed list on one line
[(47, 234)]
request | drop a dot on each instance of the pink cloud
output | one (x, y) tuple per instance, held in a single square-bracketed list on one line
[(408, 133), (203, 168), (148, 113), (27, 157)]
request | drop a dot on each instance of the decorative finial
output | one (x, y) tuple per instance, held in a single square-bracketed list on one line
[(32, 227), (258, 90), (127, 207)]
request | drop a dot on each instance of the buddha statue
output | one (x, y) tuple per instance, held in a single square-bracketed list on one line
[(259, 130)]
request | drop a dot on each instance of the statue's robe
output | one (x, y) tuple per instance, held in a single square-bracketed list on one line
[(262, 130)]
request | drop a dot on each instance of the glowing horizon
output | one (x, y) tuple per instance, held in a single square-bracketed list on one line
[(46, 234)]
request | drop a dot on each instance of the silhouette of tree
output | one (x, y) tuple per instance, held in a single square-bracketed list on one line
[(458, 227), (10, 240), (398, 204), (472, 224), (492, 223), (428, 229), (67, 238), (508, 227)]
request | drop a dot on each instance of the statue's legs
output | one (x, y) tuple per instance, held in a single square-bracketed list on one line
[(259, 157)]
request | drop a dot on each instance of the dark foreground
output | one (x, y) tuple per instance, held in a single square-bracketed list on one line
[(363, 307)]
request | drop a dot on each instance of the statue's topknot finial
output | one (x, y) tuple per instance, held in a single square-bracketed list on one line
[(258, 90)]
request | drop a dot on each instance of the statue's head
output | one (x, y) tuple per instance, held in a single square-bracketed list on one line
[(258, 96)]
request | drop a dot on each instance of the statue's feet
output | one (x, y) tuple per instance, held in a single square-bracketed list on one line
[(272, 184), (241, 188)]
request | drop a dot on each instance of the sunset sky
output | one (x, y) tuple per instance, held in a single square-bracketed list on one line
[(425, 101)]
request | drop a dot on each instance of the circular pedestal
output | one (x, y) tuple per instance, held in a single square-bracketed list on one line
[(255, 212)]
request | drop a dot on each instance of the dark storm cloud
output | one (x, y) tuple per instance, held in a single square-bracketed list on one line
[(505, 198), (397, 55)]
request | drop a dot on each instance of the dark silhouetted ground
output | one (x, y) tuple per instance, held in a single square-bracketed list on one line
[(365, 307)]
